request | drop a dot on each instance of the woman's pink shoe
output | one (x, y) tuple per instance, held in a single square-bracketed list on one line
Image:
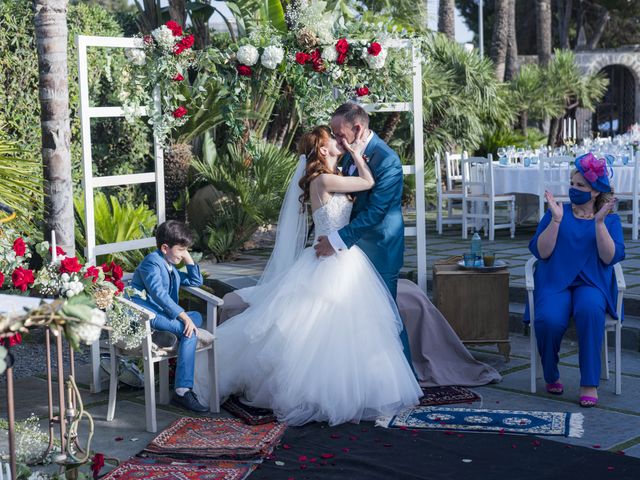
[(588, 402), (555, 388)]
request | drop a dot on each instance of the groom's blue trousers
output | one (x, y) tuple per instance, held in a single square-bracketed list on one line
[(391, 281)]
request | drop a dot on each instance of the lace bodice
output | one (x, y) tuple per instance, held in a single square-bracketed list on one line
[(333, 215)]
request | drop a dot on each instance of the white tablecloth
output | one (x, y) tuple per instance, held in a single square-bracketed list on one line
[(520, 179)]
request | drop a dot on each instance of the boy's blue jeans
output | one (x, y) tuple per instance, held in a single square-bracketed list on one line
[(186, 347)]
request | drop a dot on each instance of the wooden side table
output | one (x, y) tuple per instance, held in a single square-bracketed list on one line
[(476, 304)]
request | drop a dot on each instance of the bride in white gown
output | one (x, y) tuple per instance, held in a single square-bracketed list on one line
[(319, 341)]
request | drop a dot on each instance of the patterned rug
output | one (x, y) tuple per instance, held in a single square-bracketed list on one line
[(447, 395), (250, 415), (138, 469), (481, 420), (222, 438)]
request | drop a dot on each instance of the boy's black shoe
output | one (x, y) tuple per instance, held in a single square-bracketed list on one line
[(189, 401)]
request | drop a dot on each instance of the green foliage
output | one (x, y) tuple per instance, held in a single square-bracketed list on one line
[(504, 137), (116, 222), (461, 97), (253, 181), (117, 141), (19, 186)]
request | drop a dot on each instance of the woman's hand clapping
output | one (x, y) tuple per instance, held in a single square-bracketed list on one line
[(556, 207), (604, 211)]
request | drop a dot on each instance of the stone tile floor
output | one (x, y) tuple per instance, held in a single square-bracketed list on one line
[(613, 425)]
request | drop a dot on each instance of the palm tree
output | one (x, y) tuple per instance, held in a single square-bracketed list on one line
[(511, 64), (446, 18), (543, 31), (500, 38), (50, 19), (565, 82)]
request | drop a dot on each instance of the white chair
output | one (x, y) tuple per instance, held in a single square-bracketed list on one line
[(553, 177), (633, 197), (449, 190), (611, 324), (151, 357), (479, 198)]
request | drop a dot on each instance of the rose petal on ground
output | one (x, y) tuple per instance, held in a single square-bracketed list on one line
[(279, 463), (466, 460), (596, 446), (335, 435), (286, 447), (346, 450), (302, 458), (327, 455)]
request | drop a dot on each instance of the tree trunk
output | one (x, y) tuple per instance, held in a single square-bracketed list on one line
[(524, 120), (446, 18), (50, 20), (581, 42), (149, 17), (511, 67), (201, 33), (177, 11), (500, 38), (390, 125), (543, 11), (603, 19), (565, 8)]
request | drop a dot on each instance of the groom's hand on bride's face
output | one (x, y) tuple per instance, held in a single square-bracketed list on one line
[(323, 247)]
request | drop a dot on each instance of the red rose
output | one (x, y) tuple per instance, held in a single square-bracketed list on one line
[(374, 49), (106, 268), (178, 78), (184, 44), (180, 112), (116, 271), (15, 339), (1, 278), (342, 46), (119, 285), (93, 272), (244, 70), (302, 58), (97, 462), (342, 57), (21, 278), (174, 27), (362, 91), (70, 265), (19, 246), (59, 252), (148, 39)]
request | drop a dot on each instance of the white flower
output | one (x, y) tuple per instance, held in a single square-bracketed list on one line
[(65, 277), (136, 56), (329, 53), (164, 37), (89, 331), (377, 62), (336, 73), (272, 57), (248, 55)]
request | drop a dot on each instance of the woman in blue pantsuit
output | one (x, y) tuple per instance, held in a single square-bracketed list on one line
[(577, 245)]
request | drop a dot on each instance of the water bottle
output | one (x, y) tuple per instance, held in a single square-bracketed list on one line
[(476, 249)]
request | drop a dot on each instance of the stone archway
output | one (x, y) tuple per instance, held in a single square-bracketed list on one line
[(616, 112), (623, 67)]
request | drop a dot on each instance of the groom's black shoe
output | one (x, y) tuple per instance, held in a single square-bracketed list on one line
[(189, 401)]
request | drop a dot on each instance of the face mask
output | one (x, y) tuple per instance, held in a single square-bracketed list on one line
[(579, 197)]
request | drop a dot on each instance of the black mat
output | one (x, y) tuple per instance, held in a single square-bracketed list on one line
[(362, 451)]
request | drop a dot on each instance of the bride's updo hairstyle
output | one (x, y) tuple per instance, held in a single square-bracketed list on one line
[(310, 145)]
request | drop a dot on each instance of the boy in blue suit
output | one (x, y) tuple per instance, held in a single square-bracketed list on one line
[(158, 276)]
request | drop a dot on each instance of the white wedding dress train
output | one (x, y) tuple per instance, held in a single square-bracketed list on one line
[(318, 344)]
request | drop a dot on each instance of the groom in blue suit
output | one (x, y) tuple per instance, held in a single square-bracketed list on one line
[(376, 223)]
